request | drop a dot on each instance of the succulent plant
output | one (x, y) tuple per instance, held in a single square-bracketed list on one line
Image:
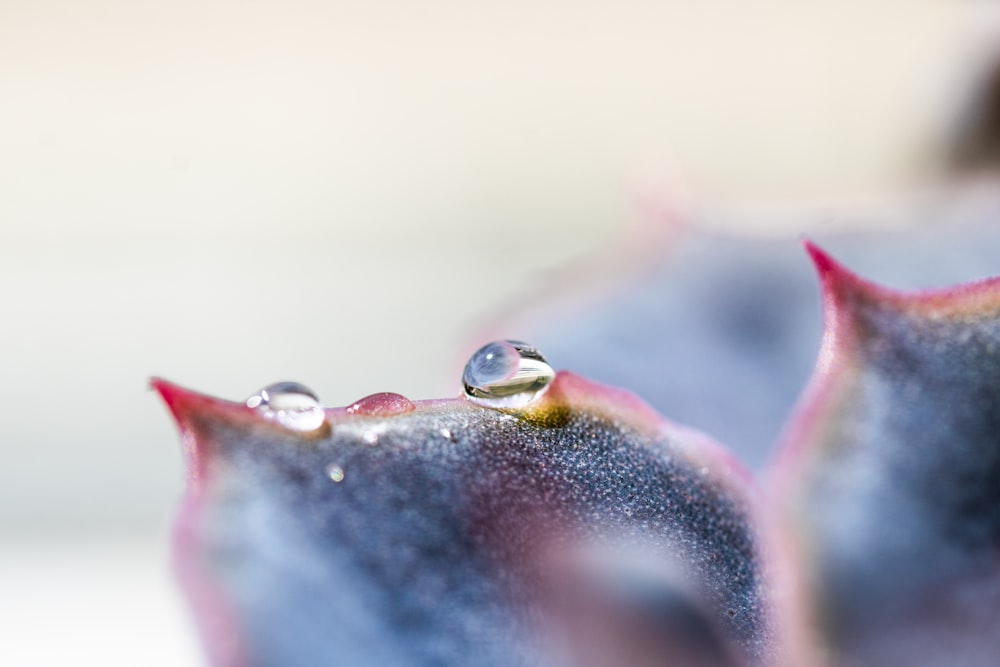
[(544, 519)]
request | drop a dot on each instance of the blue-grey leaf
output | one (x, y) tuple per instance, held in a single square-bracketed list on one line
[(579, 530), (890, 479)]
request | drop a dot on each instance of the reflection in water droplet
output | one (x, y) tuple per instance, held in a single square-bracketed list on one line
[(383, 404), (290, 404), (506, 374), (336, 473)]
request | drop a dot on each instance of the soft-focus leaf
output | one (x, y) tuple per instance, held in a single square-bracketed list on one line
[(890, 478), (720, 331)]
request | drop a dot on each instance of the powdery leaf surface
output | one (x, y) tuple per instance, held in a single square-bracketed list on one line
[(584, 530)]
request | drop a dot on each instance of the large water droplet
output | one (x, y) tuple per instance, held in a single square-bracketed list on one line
[(291, 404), (506, 374)]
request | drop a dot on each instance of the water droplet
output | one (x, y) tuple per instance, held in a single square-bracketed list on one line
[(336, 473), (370, 437), (383, 404), (291, 404), (506, 374), (446, 433)]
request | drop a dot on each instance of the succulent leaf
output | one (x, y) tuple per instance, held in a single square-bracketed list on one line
[(543, 519), (580, 530), (890, 478)]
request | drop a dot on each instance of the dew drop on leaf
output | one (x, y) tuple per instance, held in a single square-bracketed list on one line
[(291, 404), (506, 374), (335, 473), (383, 404)]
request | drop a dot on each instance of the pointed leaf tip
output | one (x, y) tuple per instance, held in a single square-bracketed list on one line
[(823, 262), (168, 391), (836, 280), (183, 402)]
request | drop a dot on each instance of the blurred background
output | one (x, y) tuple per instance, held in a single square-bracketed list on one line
[(344, 194)]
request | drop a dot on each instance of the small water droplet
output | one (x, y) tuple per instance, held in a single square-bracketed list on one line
[(336, 473), (506, 374), (291, 404), (382, 404), (446, 433)]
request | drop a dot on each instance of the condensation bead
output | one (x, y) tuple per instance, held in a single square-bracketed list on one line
[(291, 404), (384, 404), (506, 374)]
